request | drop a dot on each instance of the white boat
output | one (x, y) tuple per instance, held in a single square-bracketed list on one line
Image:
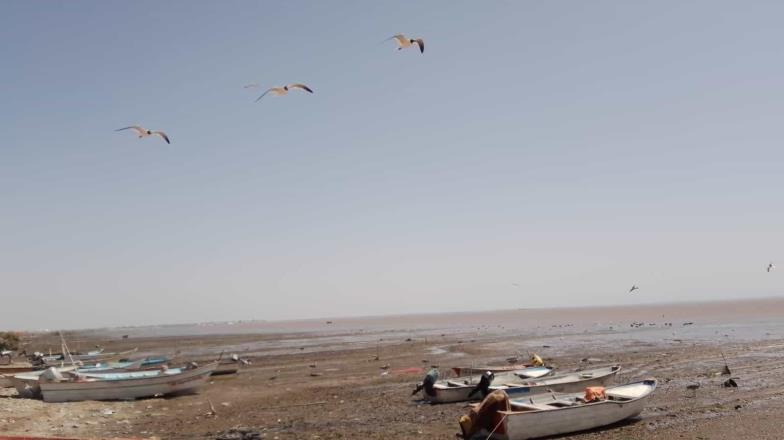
[(119, 375), (547, 415), (125, 387), (471, 371), (515, 385), (91, 357), (226, 367), (27, 384), (7, 372)]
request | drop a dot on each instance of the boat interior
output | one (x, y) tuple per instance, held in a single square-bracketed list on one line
[(622, 393)]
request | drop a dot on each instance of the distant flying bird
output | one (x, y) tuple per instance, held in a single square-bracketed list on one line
[(143, 132), (279, 91), (404, 42), (634, 287), (250, 86), (771, 267)]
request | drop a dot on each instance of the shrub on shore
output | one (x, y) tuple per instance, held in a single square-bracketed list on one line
[(9, 341)]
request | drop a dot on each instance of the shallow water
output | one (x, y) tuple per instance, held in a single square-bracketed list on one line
[(555, 329)]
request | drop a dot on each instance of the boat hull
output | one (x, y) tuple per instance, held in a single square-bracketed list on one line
[(86, 358), (226, 369), (524, 425), (471, 371), (127, 389), (452, 394), (7, 373)]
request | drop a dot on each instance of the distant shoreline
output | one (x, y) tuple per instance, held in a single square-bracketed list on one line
[(762, 307)]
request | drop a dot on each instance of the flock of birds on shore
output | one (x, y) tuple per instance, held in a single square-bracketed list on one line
[(403, 42)]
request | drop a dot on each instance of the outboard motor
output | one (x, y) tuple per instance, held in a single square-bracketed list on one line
[(484, 385), (427, 384), (37, 359)]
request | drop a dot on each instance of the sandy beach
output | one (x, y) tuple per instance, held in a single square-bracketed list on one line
[(310, 379)]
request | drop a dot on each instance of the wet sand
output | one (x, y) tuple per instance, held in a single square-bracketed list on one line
[(348, 397)]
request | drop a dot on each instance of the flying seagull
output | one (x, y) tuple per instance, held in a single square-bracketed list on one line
[(250, 86), (634, 287), (404, 42), (278, 91), (143, 132), (771, 267)]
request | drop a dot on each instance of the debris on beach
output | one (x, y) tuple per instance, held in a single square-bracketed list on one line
[(239, 434), (730, 383), (211, 412)]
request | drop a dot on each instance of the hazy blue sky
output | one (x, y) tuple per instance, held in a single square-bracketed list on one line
[(573, 148)]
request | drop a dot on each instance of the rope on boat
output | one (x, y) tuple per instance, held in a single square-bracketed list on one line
[(496, 427)]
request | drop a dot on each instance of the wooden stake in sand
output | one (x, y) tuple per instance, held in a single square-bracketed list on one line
[(726, 371), (212, 409)]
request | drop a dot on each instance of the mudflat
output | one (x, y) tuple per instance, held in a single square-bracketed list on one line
[(352, 378)]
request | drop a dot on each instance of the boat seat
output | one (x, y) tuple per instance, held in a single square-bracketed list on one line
[(454, 383), (561, 403), (529, 406)]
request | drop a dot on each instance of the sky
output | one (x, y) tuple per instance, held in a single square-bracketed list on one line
[(538, 154)]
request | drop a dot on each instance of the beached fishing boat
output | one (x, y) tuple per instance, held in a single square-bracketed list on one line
[(7, 371), (477, 386), (470, 371), (28, 386), (91, 357), (121, 375), (546, 415), (226, 366), (230, 365), (515, 385), (108, 367), (125, 386), (536, 361)]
